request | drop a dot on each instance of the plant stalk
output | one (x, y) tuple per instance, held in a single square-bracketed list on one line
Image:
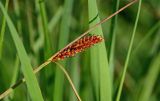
[(8, 91)]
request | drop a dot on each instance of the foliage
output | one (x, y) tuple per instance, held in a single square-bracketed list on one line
[(36, 29)]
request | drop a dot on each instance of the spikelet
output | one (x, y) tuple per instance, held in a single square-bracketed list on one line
[(78, 46)]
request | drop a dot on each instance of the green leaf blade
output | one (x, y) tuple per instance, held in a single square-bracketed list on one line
[(99, 54), (29, 76)]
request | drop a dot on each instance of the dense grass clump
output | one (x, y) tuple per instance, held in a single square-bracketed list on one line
[(123, 66)]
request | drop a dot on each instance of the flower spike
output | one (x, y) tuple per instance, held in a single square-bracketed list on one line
[(78, 46)]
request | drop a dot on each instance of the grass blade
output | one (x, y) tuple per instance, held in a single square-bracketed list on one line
[(112, 38), (63, 39), (3, 30), (47, 42), (128, 53), (31, 81), (15, 73), (70, 81), (14, 77), (99, 54), (76, 78), (87, 90)]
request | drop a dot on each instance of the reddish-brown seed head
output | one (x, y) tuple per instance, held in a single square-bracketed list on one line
[(78, 46)]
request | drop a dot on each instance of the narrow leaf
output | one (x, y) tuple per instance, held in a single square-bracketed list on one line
[(31, 80), (99, 61)]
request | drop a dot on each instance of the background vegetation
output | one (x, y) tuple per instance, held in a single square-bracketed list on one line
[(39, 28)]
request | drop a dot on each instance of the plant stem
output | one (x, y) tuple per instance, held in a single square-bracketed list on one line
[(129, 53), (70, 81), (3, 30), (96, 25), (47, 41), (113, 41), (8, 91)]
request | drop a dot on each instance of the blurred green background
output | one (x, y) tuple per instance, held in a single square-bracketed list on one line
[(46, 26)]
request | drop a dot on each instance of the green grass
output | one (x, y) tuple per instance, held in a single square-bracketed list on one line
[(3, 30), (62, 41), (40, 28), (75, 75), (27, 70), (128, 53), (47, 43), (150, 79), (15, 73), (112, 40), (146, 37), (99, 60)]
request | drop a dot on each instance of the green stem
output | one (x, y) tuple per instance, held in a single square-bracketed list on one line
[(113, 40), (45, 29), (9, 90), (3, 29), (129, 53), (70, 81)]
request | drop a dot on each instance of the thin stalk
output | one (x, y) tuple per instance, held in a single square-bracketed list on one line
[(128, 53), (8, 91), (3, 29), (47, 40), (32, 84), (40, 40), (113, 40), (45, 28), (96, 25), (75, 74), (113, 36), (62, 41), (70, 81)]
